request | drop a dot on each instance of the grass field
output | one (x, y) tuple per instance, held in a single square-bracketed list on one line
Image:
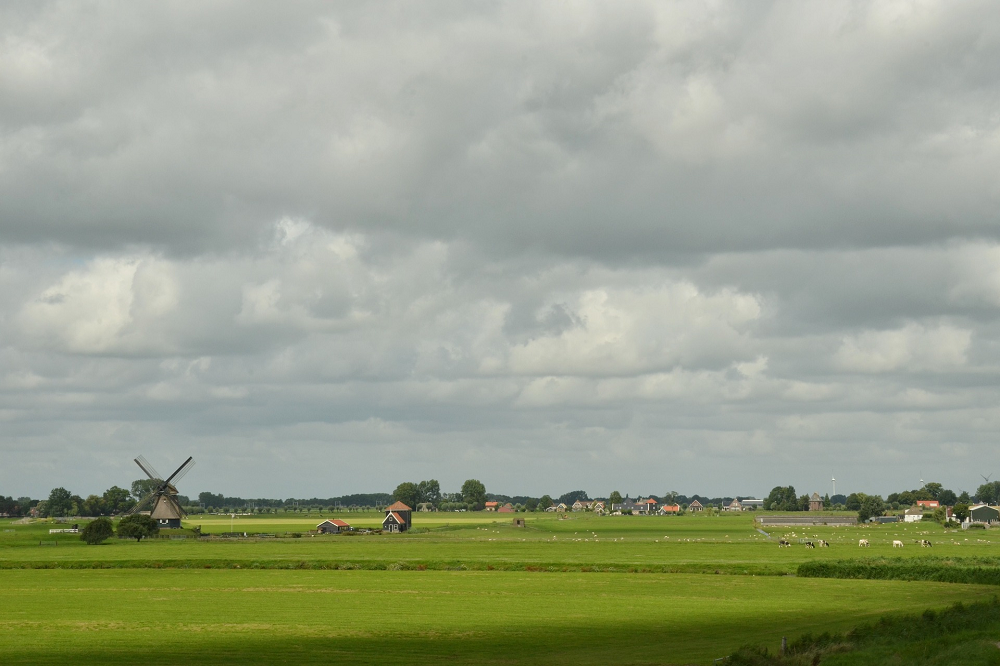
[(472, 589)]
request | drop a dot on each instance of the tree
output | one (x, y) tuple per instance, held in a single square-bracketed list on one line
[(869, 507), (138, 526), (988, 493), (430, 491), (948, 497), (117, 500), (933, 489), (93, 506), (853, 502), (961, 511), (60, 502), (670, 497), (573, 496), (963, 498), (474, 492), (782, 498), (544, 502), (408, 493), (97, 531), (616, 498), (142, 487)]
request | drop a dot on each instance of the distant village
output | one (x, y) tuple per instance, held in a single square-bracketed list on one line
[(930, 502)]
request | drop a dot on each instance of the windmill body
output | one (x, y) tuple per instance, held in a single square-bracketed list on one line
[(166, 510)]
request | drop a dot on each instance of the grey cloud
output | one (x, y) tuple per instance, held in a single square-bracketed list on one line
[(665, 245)]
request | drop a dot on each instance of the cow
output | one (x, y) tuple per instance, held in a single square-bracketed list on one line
[(782, 543), (810, 544), (824, 544), (924, 543), (863, 543), (897, 544)]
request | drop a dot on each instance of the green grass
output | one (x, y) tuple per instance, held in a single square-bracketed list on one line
[(469, 588), (179, 616)]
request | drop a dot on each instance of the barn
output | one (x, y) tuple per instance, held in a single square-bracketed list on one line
[(982, 513), (397, 518), (333, 526)]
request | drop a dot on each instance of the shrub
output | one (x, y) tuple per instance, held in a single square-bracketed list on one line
[(97, 531)]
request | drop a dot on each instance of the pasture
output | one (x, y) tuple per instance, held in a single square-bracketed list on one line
[(467, 587)]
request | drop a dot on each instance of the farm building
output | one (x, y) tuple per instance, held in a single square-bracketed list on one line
[(913, 515), (815, 502), (333, 526), (492, 506), (982, 513), (928, 504), (797, 521), (670, 510), (695, 505), (506, 508), (735, 505), (397, 518), (752, 504)]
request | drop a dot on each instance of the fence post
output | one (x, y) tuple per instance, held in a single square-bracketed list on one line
[(784, 645)]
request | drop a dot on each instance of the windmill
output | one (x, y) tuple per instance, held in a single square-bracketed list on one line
[(166, 510)]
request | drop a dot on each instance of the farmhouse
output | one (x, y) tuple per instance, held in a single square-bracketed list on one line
[(735, 505), (695, 505), (506, 508), (333, 526), (913, 515), (492, 506), (815, 502), (670, 510), (397, 518)]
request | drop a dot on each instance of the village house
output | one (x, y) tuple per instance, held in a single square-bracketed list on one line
[(670, 510), (506, 508), (735, 505), (815, 502), (333, 526), (695, 506), (492, 506), (397, 518), (913, 515), (646, 507), (598, 506)]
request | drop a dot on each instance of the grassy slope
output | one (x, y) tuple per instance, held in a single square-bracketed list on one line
[(196, 616)]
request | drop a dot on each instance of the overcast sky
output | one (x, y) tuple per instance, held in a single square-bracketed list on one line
[(329, 247)]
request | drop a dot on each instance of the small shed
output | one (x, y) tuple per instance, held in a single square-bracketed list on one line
[(333, 526), (518, 522)]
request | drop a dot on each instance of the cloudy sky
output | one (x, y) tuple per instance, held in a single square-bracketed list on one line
[(328, 247)]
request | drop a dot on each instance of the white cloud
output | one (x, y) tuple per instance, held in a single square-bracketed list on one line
[(912, 348)]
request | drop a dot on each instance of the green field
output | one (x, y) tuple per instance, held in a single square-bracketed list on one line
[(470, 588)]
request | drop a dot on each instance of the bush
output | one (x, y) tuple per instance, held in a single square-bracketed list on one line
[(977, 526), (97, 531), (137, 526)]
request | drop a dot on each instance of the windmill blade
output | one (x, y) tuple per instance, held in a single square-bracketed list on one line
[(148, 469), (182, 470), (138, 505)]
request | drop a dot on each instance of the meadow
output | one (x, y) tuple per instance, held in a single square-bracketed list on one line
[(470, 588)]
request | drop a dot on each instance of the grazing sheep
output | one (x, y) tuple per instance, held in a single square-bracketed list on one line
[(897, 544), (863, 543), (824, 544)]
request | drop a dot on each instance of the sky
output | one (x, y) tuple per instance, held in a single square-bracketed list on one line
[(325, 248)]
